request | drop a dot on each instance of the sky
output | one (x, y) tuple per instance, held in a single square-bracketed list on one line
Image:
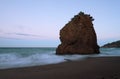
[(36, 23)]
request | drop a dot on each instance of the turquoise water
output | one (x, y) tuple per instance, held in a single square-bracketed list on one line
[(23, 57)]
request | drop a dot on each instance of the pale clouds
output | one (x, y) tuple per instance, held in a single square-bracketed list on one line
[(20, 36), (24, 34), (27, 32)]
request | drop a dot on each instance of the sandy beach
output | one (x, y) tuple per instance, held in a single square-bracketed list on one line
[(90, 68)]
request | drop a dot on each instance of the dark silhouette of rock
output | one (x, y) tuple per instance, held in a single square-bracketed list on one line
[(78, 36), (115, 44)]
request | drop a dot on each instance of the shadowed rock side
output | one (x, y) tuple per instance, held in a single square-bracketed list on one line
[(78, 36)]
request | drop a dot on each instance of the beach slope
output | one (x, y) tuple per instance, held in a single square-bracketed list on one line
[(90, 68)]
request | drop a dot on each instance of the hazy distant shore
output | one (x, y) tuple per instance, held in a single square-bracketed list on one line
[(90, 68)]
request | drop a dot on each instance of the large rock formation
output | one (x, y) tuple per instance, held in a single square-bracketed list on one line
[(78, 36)]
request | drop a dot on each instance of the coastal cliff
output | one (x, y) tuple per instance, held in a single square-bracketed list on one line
[(78, 36)]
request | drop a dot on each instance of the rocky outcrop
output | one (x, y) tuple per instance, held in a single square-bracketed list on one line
[(78, 36), (115, 44)]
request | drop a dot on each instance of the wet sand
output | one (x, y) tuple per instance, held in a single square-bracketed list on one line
[(90, 68)]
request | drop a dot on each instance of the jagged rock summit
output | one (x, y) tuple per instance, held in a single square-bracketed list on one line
[(78, 36)]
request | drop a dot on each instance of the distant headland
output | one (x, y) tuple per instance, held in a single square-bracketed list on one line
[(115, 44)]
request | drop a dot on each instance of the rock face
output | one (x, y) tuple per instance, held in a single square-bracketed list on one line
[(78, 36)]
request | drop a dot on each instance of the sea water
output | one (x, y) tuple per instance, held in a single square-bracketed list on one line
[(24, 57)]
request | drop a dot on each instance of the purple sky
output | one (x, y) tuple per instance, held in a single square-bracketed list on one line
[(36, 23)]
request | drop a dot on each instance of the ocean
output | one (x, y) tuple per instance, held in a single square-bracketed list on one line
[(24, 57)]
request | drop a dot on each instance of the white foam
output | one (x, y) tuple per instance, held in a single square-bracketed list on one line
[(15, 60), (12, 60)]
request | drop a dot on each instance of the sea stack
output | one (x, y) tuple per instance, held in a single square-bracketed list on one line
[(78, 36)]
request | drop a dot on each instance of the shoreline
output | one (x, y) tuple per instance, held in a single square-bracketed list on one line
[(89, 68)]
